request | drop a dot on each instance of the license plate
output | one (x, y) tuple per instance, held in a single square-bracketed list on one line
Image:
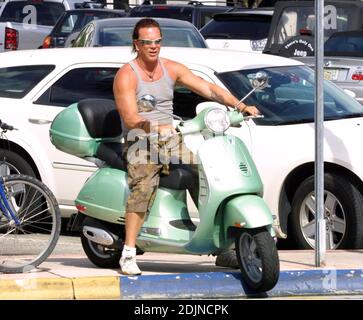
[(331, 74)]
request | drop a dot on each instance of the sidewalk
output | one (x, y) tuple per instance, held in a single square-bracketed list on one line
[(171, 276)]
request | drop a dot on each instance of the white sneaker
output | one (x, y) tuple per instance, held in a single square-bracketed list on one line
[(129, 267)]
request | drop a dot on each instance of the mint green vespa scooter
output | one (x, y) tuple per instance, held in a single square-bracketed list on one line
[(231, 209)]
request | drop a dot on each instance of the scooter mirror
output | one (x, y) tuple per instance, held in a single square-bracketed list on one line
[(260, 80), (146, 103)]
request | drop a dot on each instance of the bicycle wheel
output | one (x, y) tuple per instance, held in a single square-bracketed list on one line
[(25, 246)]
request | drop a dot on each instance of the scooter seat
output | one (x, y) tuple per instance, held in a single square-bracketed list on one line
[(179, 178), (100, 117), (111, 153)]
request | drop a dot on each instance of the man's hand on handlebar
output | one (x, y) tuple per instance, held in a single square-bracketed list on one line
[(252, 110)]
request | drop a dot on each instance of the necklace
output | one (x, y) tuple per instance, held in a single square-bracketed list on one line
[(150, 75)]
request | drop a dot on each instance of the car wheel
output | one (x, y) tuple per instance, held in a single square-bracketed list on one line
[(13, 163), (343, 214)]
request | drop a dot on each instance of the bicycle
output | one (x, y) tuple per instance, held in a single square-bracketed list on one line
[(30, 221)]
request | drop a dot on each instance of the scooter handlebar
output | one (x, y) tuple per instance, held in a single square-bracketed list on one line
[(237, 117), (258, 116)]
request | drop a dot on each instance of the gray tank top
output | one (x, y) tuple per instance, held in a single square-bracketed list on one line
[(162, 90)]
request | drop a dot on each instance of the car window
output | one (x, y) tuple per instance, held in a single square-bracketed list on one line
[(344, 43), (33, 12), (84, 39), (252, 27), (180, 13), (79, 84), (76, 21), (296, 21), (207, 14), (182, 37), (289, 95), (185, 102), (16, 82), (172, 36), (115, 36)]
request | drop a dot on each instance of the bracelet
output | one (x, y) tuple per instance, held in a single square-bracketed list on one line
[(243, 109)]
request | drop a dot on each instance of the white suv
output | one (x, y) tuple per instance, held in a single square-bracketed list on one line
[(35, 85), (25, 23), (240, 29)]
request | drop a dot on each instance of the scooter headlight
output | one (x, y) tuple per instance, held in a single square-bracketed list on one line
[(217, 120)]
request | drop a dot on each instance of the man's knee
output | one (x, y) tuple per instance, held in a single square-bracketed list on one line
[(141, 198)]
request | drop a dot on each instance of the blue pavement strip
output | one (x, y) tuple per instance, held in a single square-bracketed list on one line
[(231, 285)]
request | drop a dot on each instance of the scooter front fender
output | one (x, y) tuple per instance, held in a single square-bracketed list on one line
[(247, 211)]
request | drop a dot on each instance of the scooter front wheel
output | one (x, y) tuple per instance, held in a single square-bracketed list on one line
[(258, 259)]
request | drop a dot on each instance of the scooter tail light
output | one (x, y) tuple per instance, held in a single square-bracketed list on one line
[(81, 208)]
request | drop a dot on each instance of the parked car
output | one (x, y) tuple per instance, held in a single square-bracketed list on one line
[(73, 21), (118, 32), (293, 25), (343, 61), (25, 23), (195, 12), (36, 85), (245, 30)]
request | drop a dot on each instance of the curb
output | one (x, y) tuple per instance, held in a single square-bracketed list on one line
[(61, 288), (182, 286), (231, 285), (36, 289)]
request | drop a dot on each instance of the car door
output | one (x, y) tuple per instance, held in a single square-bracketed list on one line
[(71, 85)]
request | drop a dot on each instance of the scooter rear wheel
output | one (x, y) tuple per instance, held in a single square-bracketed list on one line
[(258, 259), (100, 255)]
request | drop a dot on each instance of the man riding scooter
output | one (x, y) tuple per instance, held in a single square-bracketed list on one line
[(149, 74)]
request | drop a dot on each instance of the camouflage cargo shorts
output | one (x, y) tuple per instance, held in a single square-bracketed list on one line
[(146, 161)]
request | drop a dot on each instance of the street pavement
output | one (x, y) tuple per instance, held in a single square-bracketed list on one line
[(68, 274)]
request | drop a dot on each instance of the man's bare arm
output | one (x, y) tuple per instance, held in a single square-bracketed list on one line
[(209, 90), (124, 90)]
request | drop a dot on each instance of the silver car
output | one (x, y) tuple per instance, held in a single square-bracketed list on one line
[(118, 32), (343, 61)]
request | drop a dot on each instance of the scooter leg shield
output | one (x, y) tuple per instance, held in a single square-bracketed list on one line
[(247, 211)]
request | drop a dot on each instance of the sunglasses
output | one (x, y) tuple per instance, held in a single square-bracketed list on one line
[(147, 42)]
